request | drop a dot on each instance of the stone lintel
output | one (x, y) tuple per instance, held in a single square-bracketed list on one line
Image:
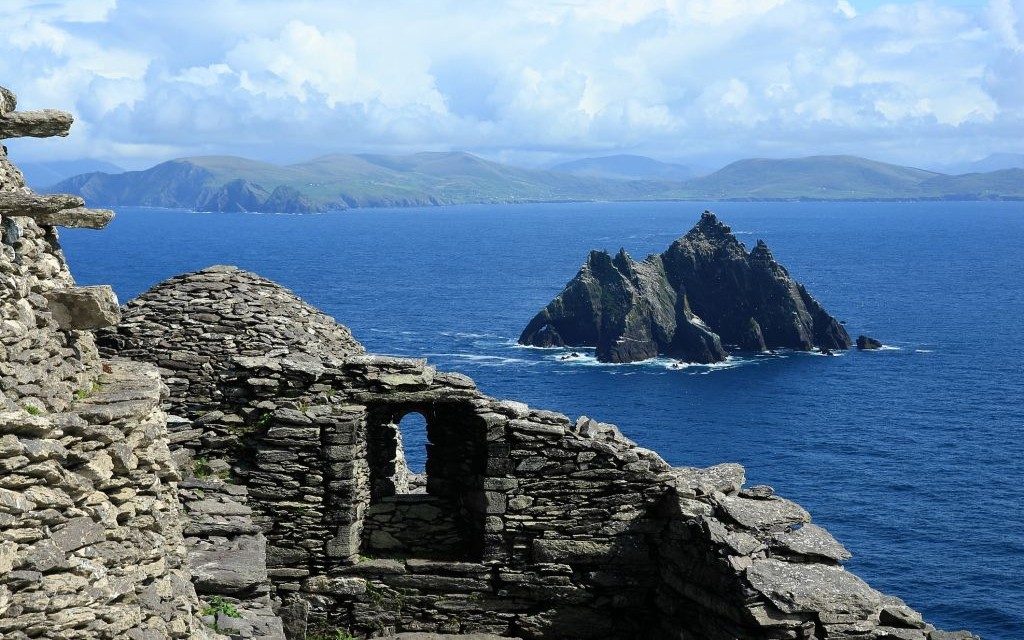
[(83, 308), (44, 123)]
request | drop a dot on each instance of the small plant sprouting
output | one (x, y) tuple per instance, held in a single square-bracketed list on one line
[(264, 420), (201, 468), (219, 606), (83, 393), (33, 410)]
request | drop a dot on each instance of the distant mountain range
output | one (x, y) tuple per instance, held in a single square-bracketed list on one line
[(993, 162), (42, 174), (335, 182), (625, 167)]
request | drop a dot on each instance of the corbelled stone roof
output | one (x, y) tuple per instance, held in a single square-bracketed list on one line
[(195, 324)]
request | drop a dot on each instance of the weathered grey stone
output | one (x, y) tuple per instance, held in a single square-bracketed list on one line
[(572, 551), (896, 613), (814, 588), (77, 217), (84, 308), (16, 203), (810, 541), (8, 101), (764, 515), (44, 123), (234, 567)]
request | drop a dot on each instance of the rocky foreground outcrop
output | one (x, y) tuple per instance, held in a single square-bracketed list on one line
[(91, 539), (703, 293)]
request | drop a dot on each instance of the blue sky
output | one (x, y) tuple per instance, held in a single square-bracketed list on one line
[(530, 82)]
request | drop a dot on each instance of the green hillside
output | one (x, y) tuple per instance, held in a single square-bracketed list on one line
[(335, 182), (817, 177)]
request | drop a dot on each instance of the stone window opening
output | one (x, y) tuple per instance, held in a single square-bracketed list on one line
[(411, 447), (434, 514)]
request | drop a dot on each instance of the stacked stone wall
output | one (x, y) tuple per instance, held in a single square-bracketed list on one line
[(91, 525), (40, 365), (532, 525), (91, 541)]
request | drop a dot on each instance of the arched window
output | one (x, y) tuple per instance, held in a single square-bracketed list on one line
[(425, 464), (413, 428)]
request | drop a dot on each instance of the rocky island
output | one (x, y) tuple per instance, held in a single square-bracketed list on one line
[(704, 292), (226, 463)]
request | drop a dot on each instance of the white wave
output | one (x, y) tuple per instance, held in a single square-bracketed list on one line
[(838, 353), (924, 351), (483, 359)]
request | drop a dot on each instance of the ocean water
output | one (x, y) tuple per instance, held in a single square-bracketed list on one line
[(913, 456)]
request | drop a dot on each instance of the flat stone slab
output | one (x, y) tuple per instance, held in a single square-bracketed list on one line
[(33, 205), (233, 567), (810, 541), (84, 308), (725, 478), (78, 218), (44, 123), (764, 515), (814, 588)]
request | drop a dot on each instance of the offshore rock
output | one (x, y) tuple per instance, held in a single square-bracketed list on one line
[(866, 343), (704, 291)]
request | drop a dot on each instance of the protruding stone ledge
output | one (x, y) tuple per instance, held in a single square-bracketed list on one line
[(79, 217), (44, 123), (84, 308), (32, 205)]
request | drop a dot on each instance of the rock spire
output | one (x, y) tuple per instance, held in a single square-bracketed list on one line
[(703, 293)]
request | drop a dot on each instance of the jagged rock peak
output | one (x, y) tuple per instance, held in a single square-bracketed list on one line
[(703, 291), (709, 225)]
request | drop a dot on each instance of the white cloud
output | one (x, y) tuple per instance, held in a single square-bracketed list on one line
[(663, 77), (60, 10)]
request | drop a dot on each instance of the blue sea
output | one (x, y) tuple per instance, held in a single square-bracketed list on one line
[(913, 456)]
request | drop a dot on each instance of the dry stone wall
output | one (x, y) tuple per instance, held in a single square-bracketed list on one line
[(91, 541), (531, 525)]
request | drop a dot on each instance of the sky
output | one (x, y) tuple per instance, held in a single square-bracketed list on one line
[(528, 82)]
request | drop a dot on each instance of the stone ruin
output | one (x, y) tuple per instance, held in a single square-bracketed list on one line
[(233, 464), (91, 542)]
